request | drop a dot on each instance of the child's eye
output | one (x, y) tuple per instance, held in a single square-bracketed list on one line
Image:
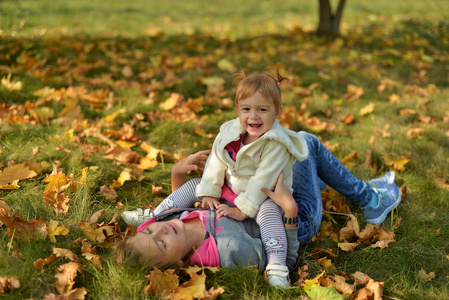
[(164, 246), (245, 109)]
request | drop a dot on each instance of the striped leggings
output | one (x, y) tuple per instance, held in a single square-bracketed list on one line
[(269, 218)]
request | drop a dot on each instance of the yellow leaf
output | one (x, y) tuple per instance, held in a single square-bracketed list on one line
[(162, 283), (53, 229), (125, 144), (56, 182), (327, 263), (44, 113), (11, 86), (111, 117), (15, 173), (225, 65), (425, 276), (366, 110), (309, 283), (202, 133), (397, 163), (171, 102), (152, 152), (125, 175), (194, 288)]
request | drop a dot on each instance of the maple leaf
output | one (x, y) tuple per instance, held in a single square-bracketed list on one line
[(360, 278), (366, 110), (65, 253), (94, 259), (202, 133), (125, 175), (329, 293), (53, 229), (348, 246), (15, 173), (65, 279), (75, 294), (372, 290), (12, 86), (194, 288), (302, 275), (157, 190), (422, 275), (353, 92), (171, 102), (351, 230), (8, 284), (347, 119), (415, 133), (327, 263), (342, 286), (109, 194), (309, 283), (57, 200), (162, 283), (40, 263), (397, 163)]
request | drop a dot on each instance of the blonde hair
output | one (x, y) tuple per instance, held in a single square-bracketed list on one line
[(267, 85)]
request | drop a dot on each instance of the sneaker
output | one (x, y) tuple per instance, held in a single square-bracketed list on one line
[(278, 276), (386, 179), (137, 217), (389, 197)]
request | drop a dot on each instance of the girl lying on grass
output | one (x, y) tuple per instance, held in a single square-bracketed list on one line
[(201, 237)]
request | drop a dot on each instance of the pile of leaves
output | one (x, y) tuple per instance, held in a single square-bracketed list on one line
[(93, 124)]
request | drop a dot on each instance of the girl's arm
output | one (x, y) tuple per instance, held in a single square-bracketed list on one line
[(192, 162)]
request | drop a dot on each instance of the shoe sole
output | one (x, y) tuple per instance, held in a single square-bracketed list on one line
[(383, 216)]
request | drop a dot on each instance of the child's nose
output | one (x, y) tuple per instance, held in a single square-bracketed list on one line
[(161, 230)]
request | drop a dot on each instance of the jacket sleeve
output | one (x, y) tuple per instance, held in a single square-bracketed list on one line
[(274, 159), (213, 175)]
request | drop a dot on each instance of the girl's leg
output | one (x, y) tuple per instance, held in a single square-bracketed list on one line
[(272, 232), (184, 197), (307, 176)]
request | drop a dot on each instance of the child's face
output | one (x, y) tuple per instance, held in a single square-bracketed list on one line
[(162, 243), (256, 114)]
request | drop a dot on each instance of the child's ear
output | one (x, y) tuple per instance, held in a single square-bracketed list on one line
[(279, 112)]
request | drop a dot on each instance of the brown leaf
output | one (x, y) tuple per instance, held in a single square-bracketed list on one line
[(109, 194), (302, 275), (360, 278), (327, 263), (94, 259), (162, 283), (342, 286), (15, 173), (194, 288), (348, 246), (351, 230), (8, 284), (96, 215), (422, 275), (66, 253), (40, 263), (76, 294), (65, 279), (353, 92), (373, 290), (347, 119)]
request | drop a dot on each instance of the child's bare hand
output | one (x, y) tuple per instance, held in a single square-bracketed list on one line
[(231, 212), (192, 162), (210, 202), (282, 196)]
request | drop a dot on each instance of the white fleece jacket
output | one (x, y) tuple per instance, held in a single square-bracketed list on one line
[(257, 164)]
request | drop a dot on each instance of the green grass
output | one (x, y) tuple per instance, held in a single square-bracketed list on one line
[(91, 45)]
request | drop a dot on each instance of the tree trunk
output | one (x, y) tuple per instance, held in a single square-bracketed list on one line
[(329, 22)]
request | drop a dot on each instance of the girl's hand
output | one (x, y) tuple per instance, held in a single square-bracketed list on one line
[(210, 202), (231, 212), (192, 162), (283, 197)]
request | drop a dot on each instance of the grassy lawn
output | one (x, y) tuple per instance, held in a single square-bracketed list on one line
[(87, 84)]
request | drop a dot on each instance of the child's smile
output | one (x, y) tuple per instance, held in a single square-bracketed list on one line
[(256, 114)]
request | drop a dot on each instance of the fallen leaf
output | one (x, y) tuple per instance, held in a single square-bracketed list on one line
[(162, 283), (15, 173), (329, 293), (8, 284), (360, 278), (425, 276), (366, 110), (53, 229)]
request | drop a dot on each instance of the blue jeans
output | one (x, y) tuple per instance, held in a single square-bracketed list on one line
[(308, 177)]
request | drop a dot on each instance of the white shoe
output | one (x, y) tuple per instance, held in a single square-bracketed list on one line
[(388, 178), (137, 217), (278, 276)]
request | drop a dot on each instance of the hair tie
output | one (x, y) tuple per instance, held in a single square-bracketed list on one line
[(279, 84)]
